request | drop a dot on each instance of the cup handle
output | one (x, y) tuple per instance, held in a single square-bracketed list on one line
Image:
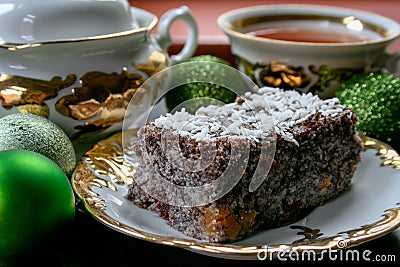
[(163, 36)]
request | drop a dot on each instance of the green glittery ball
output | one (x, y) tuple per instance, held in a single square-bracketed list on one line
[(375, 98), (37, 134), (202, 92)]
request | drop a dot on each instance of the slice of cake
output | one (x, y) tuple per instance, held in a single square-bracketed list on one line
[(280, 154)]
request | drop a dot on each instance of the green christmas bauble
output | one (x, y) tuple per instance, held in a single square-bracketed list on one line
[(38, 134), (200, 92), (36, 203), (375, 98)]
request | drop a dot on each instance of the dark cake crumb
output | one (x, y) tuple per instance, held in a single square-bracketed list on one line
[(317, 151)]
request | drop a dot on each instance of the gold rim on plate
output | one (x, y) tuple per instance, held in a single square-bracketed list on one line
[(104, 167)]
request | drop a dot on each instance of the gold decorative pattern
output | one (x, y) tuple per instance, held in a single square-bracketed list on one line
[(390, 220), (157, 61), (308, 233), (136, 31), (388, 155), (314, 79), (85, 180), (100, 102), (105, 160), (102, 99), (29, 93)]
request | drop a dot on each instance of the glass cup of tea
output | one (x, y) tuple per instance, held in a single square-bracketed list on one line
[(309, 48)]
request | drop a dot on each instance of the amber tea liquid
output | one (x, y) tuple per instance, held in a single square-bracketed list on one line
[(309, 35)]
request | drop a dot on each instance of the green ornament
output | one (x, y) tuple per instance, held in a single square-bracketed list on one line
[(202, 93), (37, 204), (375, 98), (38, 134)]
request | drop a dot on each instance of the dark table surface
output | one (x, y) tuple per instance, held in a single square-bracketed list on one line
[(90, 243)]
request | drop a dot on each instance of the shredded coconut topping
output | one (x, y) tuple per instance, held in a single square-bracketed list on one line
[(255, 116)]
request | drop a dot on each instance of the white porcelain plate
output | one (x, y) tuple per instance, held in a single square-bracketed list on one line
[(370, 209)]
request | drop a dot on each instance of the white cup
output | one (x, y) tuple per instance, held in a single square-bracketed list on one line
[(361, 41), (44, 20), (82, 77)]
